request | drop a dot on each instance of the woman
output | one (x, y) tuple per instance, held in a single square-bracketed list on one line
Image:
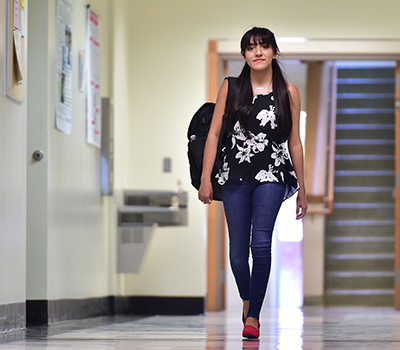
[(257, 176)]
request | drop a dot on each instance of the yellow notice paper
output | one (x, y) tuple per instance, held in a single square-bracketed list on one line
[(17, 48), (23, 4)]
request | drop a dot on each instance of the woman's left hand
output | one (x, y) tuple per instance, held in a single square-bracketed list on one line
[(302, 206)]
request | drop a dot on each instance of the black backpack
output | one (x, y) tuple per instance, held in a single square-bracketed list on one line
[(197, 136)]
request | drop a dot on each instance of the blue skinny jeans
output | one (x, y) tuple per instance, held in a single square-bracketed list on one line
[(251, 209)]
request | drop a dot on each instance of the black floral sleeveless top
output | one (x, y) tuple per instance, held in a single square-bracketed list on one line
[(259, 156)]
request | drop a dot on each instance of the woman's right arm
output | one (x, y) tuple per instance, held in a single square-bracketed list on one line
[(210, 150)]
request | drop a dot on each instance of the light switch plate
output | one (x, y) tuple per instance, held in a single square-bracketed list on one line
[(167, 165)]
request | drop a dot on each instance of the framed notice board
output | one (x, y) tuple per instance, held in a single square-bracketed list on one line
[(16, 32)]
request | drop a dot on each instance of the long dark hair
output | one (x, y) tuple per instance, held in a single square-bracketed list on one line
[(242, 94)]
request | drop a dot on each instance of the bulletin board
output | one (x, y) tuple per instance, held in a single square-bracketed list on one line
[(16, 32)]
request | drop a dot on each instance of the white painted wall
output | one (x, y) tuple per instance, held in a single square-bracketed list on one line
[(161, 79), (12, 186)]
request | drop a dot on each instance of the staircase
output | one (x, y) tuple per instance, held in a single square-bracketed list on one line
[(359, 244)]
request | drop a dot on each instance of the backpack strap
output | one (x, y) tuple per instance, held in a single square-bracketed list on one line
[(224, 134)]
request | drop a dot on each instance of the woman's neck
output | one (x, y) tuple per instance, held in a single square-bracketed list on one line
[(261, 82), (260, 78)]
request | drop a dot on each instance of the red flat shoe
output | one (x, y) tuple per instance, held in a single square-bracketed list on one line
[(251, 332)]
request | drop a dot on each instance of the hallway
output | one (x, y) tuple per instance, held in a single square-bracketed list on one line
[(310, 328)]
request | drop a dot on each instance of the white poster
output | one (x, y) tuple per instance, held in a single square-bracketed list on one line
[(64, 65), (93, 79)]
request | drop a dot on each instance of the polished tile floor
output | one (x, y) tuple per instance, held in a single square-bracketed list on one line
[(310, 328)]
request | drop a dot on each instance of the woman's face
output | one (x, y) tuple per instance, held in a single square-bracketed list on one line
[(259, 56)]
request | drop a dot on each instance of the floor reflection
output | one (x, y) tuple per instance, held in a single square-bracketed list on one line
[(309, 328), (253, 344), (290, 329)]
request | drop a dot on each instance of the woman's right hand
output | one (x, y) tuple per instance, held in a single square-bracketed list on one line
[(206, 192)]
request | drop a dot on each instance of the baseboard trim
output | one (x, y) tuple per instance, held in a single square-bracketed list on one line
[(12, 317), (45, 312), (313, 301), (145, 305)]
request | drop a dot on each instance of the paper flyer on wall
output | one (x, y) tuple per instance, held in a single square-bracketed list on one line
[(17, 48), (93, 79), (64, 65)]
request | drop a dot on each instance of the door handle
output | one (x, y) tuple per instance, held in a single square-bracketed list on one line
[(38, 155)]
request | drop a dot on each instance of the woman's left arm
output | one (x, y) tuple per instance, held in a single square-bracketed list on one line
[(296, 151)]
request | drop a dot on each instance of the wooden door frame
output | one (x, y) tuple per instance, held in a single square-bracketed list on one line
[(216, 232), (219, 52)]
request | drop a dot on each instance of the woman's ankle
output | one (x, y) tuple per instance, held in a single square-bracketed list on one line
[(246, 306), (252, 321)]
